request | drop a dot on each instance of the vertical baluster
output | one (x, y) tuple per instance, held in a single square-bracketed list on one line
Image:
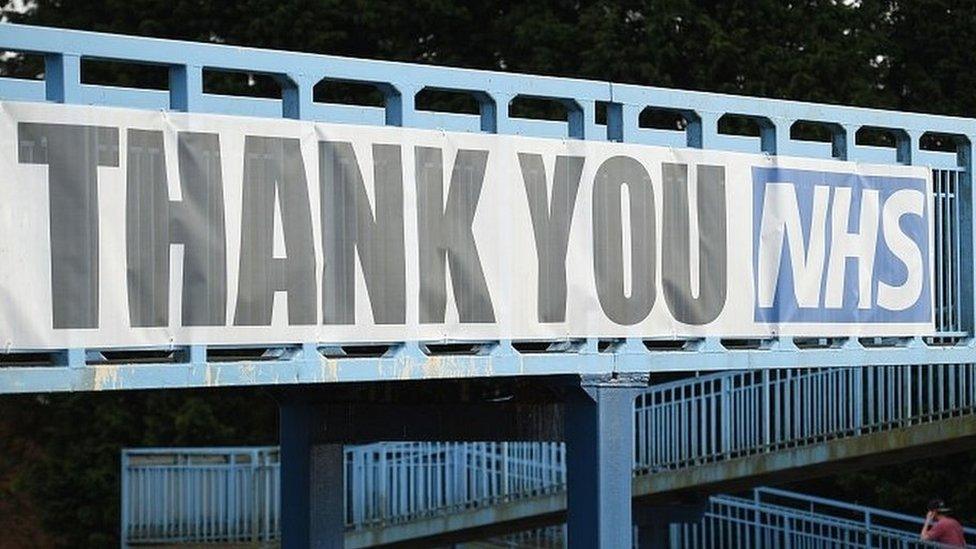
[(937, 182)]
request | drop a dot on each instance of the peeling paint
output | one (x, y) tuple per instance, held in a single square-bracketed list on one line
[(329, 367), (248, 373), (104, 377)]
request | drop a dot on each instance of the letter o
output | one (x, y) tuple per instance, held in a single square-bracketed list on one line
[(608, 253)]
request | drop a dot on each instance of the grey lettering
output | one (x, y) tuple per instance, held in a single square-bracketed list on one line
[(273, 167), (72, 155), (445, 235), (676, 260), (551, 223), (154, 223), (608, 256), (348, 225)]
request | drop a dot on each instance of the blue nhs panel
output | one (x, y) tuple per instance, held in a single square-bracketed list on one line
[(888, 268)]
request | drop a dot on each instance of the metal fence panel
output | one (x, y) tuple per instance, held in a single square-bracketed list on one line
[(232, 494)]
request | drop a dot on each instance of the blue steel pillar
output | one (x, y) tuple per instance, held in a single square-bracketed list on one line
[(599, 430), (312, 494)]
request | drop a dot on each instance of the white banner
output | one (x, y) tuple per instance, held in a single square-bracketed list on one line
[(128, 228)]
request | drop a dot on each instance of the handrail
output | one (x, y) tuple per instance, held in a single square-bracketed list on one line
[(768, 512), (868, 511), (732, 521), (299, 72), (746, 413), (679, 425)]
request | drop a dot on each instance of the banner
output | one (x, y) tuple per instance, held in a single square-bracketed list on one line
[(128, 228)]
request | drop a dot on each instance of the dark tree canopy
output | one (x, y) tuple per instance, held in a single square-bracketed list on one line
[(893, 54), (59, 454)]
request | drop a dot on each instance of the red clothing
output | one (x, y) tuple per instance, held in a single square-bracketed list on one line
[(948, 531)]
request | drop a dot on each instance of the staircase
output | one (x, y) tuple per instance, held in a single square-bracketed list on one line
[(720, 433)]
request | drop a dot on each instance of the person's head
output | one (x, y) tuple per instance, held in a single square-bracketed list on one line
[(938, 506)]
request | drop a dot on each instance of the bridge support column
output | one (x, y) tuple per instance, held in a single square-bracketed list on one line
[(312, 502), (599, 431)]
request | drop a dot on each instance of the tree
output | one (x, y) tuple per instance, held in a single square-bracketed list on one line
[(60, 453)]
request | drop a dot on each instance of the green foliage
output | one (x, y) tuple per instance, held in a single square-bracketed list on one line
[(906, 487), (883, 53), (59, 454)]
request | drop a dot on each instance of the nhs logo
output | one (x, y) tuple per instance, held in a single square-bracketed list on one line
[(840, 247)]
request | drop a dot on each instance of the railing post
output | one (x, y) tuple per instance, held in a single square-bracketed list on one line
[(774, 136), (787, 533), (581, 116), (844, 142), (124, 504), (858, 381), (629, 119), (401, 104), (296, 96), (616, 127), (906, 373), (867, 531), (505, 484), (185, 87), (502, 122), (487, 113), (838, 142), (76, 358), (255, 500), (703, 129), (62, 77), (965, 199), (756, 502), (383, 498), (726, 419), (767, 416), (908, 146), (235, 500)]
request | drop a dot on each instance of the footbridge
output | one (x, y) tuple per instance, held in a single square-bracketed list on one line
[(434, 276), (695, 438)]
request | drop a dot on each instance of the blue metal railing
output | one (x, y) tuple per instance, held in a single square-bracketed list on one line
[(298, 73), (400, 482), (200, 495), (64, 51), (720, 416), (228, 506), (679, 425), (947, 187), (779, 518)]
